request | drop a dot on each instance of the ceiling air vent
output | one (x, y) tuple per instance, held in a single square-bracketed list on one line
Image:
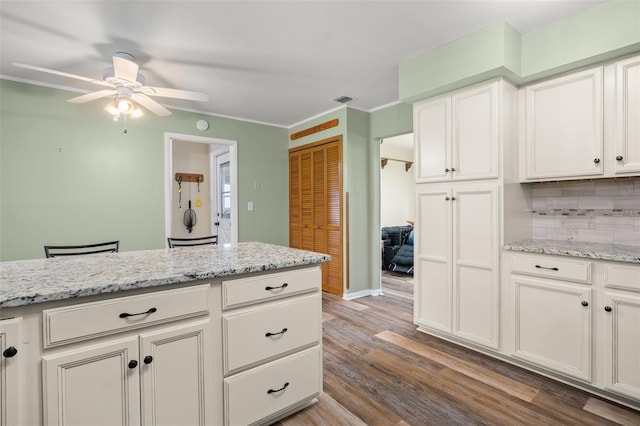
[(344, 99)]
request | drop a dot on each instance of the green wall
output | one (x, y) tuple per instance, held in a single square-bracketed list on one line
[(68, 173), (597, 34)]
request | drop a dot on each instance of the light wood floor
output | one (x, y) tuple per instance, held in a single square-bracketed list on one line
[(378, 370)]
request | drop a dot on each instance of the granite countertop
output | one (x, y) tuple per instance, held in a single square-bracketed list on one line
[(612, 252), (26, 282)]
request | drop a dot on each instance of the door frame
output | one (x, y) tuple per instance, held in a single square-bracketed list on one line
[(169, 180)]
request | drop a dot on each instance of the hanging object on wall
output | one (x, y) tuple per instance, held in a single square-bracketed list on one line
[(189, 177), (190, 219), (179, 192), (407, 164)]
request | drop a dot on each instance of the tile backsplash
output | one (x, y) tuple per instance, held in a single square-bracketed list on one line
[(592, 211)]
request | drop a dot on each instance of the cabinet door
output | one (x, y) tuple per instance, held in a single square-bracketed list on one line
[(295, 201), (306, 199), (553, 325), (93, 385), (320, 206), (563, 126), (622, 344), (432, 133), (475, 264), (10, 371), (176, 376), (627, 150), (475, 139), (433, 258)]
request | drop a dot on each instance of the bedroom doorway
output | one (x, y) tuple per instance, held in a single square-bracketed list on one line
[(397, 206)]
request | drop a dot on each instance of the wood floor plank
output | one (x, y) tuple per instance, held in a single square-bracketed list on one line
[(327, 317), (388, 291), (613, 412), (327, 411), (566, 413), (519, 390)]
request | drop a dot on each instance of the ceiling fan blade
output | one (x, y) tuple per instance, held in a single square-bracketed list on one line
[(125, 69), (175, 93), (150, 104), (64, 74), (92, 96)]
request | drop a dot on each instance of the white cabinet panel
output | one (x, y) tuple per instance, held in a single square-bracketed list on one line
[(457, 136), (627, 146), (432, 134), (622, 344), (475, 133), (10, 363), (457, 253), (176, 377), (553, 325), (93, 385), (564, 126)]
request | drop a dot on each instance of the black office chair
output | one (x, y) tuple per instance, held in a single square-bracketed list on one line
[(200, 241), (56, 251)]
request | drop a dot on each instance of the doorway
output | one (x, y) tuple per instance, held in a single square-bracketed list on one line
[(397, 206), (215, 200)]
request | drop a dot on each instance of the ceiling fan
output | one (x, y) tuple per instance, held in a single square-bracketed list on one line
[(126, 85)]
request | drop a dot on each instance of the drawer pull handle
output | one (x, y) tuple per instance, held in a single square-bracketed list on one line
[(285, 285), (608, 308), (284, 330), (10, 352), (150, 311), (270, 391), (133, 363), (546, 267), (584, 303)]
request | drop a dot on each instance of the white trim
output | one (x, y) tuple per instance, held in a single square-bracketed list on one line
[(168, 188), (390, 104), (363, 293)]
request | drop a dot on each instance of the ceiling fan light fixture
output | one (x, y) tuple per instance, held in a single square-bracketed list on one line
[(125, 106), (137, 112)]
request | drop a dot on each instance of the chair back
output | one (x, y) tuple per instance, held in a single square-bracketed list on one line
[(56, 251), (199, 241)]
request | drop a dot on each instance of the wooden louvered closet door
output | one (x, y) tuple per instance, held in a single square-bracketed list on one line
[(315, 205)]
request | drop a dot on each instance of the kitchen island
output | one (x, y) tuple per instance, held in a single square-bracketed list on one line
[(194, 335)]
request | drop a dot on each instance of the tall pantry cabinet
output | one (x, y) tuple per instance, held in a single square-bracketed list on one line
[(459, 139), (315, 205)]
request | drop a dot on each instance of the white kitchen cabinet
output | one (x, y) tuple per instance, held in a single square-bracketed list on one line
[(563, 127), (457, 136), (10, 357), (457, 250), (553, 325), (162, 377), (627, 116), (622, 343), (272, 345)]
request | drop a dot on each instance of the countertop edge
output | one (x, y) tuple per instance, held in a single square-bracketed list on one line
[(606, 252)]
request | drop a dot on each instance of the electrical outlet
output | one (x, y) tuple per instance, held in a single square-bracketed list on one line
[(250, 206)]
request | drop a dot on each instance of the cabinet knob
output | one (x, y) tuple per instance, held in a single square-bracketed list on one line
[(453, 169), (10, 352), (619, 158), (453, 198), (585, 303), (133, 363), (446, 170), (608, 308), (447, 198), (148, 359), (596, 160)]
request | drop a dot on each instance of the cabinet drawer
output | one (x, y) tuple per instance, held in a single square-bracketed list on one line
[(244, 291), (551, 267), (265, 391), (294, 324), (623, 277), (90, 320)]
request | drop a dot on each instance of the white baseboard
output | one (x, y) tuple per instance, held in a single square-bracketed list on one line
[(363, 293)]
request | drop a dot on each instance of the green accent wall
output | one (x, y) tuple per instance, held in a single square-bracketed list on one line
[(597, 34), (69, 175)]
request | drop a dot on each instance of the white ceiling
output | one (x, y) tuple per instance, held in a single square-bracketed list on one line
[(277, 62)]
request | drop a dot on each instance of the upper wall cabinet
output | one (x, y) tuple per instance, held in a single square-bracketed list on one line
[(457, 136), (563, 126), (627, 113), (582, 125)]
